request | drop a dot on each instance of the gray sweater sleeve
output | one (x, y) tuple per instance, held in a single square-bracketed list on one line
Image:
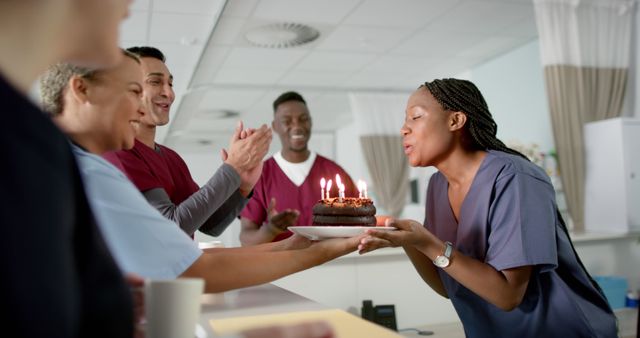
[(208, 207), (227, 213)]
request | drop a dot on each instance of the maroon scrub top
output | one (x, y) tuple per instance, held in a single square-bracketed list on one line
[(274, 183), (149, 169)]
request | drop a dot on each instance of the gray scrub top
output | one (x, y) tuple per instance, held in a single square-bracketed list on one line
[(509, 219)]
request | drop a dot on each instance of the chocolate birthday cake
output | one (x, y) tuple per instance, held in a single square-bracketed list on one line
[(347, 211)]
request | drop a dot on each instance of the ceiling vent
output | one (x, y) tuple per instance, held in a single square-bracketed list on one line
[(281, 35)]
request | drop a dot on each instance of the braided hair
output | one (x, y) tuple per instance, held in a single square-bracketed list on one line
[(464, 96)]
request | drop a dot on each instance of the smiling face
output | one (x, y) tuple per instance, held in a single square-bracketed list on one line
[(292, 123), (428, 132), (115, 100), (158, 95)]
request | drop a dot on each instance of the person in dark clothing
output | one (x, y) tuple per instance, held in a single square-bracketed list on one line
[(58, 278)]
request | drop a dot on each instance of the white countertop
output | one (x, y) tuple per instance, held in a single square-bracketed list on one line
[(257, 300), (581, 237), (268, 299)]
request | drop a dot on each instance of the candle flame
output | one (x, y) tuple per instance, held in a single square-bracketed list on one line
[(329, 185), (338, 181), (322, 183)]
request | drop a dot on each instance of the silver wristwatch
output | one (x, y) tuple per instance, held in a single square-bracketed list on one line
[(444, 260)]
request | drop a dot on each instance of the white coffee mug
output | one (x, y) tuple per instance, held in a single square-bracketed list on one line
[(172, 307)]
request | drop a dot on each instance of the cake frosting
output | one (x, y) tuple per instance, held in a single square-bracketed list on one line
[(347, 211)]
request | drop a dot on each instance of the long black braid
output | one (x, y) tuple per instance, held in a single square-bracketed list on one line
[(464, 96)]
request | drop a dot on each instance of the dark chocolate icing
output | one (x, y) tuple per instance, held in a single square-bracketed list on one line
[(344, 211)]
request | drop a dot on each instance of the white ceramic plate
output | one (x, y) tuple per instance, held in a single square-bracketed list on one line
[(323, 232)]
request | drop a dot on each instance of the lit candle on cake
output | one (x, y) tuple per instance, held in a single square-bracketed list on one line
[(329, 188), (340, 186), (359, 188), (322, 184), (364, 188)]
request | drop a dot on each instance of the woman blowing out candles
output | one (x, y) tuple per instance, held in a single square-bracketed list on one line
[(492, 241)]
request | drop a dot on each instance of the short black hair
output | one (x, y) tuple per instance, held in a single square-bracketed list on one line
[(147, 52), (286, 97)]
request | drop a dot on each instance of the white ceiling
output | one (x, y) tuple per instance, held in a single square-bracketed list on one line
[(364, 45)]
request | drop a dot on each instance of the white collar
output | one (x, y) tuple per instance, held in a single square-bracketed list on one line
[(296, 172)]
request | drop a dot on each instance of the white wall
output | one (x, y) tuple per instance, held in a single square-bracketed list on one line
[(513, 86)]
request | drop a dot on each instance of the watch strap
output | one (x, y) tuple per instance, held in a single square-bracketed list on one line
[(444, 260), (448, 249)]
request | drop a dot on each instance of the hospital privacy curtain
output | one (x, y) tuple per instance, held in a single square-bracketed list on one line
[(379, 118), (585, 51)]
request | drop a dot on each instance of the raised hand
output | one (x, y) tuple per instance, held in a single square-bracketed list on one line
[(249, 177), (247, 148), (281, 220)]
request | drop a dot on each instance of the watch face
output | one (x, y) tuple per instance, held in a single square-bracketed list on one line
[(441, 262)]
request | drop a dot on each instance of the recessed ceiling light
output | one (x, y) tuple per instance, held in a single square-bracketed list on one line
[(220, 113), (188, 41), (281, 35)]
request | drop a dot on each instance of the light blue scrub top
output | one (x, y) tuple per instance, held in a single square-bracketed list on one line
[(141, 240), (509, 219)]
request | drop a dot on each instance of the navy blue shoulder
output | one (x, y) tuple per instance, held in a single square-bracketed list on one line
[(510, 164)]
